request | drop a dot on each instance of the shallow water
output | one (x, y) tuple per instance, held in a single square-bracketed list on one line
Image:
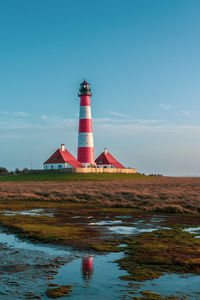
[(102, 282), (176, 285), (92, 276), (108, 222), (103, 278), (129, 229), (31, 212), (194, 230), (13, 241)]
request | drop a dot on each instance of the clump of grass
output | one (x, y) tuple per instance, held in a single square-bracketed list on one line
[(59, 291), (149, 255), (109, 246), (148, 295), (46, 229)]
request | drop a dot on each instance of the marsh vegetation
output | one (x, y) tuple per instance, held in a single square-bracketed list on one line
[(142, 221)]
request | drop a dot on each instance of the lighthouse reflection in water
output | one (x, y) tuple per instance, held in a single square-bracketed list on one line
[(87, 268)]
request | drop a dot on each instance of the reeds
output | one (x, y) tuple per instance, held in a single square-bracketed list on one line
[(166, 195)]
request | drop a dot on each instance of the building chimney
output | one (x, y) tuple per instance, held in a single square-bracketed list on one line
[(63, 147), (105, 150)]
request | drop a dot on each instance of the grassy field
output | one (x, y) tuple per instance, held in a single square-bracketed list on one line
[(72, 177), (160, 195)]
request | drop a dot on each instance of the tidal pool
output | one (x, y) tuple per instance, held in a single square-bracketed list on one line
[(194, 230), (182, 286), (100, 280), (129, 229), (133, 226), (11, 240), (31, 212), (108, 222), (27, 268), (27, 262)]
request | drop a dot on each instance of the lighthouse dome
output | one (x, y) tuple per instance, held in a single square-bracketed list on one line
[(84, 89)]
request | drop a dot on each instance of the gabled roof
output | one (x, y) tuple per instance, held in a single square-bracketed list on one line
[(63, 156), (107, 159)]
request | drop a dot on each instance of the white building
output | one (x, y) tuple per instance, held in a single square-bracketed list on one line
[(61, 159)]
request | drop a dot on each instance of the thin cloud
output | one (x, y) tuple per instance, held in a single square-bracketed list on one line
[(126, 121), (185, 112), (114, 113), (102, 126), (44, 118), (16, 113), (21, 114), (132, 129), (165, 106), (5, 113), (101, 120)]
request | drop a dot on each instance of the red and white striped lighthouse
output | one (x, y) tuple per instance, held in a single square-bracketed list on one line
[(85, 136)]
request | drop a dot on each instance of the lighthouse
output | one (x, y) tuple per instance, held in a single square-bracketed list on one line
[(85, 136)]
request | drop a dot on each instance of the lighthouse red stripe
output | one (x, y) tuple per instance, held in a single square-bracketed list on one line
[(85, 100), (85, 125), (86, 154)]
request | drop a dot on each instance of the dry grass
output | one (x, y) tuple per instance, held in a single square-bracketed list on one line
[(166, 195)]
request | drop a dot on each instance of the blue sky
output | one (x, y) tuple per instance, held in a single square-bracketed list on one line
[(142, 60)]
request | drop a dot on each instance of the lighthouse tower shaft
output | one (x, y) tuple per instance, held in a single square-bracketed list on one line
[(85, 136)]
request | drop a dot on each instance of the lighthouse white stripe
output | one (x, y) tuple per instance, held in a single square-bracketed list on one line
[(85, 112), (85, 139)]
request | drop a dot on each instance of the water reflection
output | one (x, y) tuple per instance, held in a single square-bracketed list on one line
[(87, 268)]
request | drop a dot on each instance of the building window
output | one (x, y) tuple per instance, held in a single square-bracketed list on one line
[(100, 161), (51, 167), (105, 167), (46, 167), (59, 166)]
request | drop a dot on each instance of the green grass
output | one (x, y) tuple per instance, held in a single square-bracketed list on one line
[(59, 291), (47, 229), (72, 177), (148, 295), (151, 254)]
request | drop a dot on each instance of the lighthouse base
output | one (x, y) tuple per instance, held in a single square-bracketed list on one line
[(85, 171), (89, 165)]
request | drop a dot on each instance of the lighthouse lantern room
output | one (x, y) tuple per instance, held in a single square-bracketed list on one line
[(85, 137)]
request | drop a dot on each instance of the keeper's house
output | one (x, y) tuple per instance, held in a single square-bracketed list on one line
[(62, 159), (106, 160)]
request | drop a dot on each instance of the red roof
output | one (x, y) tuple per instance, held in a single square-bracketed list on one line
[(84, 82), (61, 157), (107, 159)]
